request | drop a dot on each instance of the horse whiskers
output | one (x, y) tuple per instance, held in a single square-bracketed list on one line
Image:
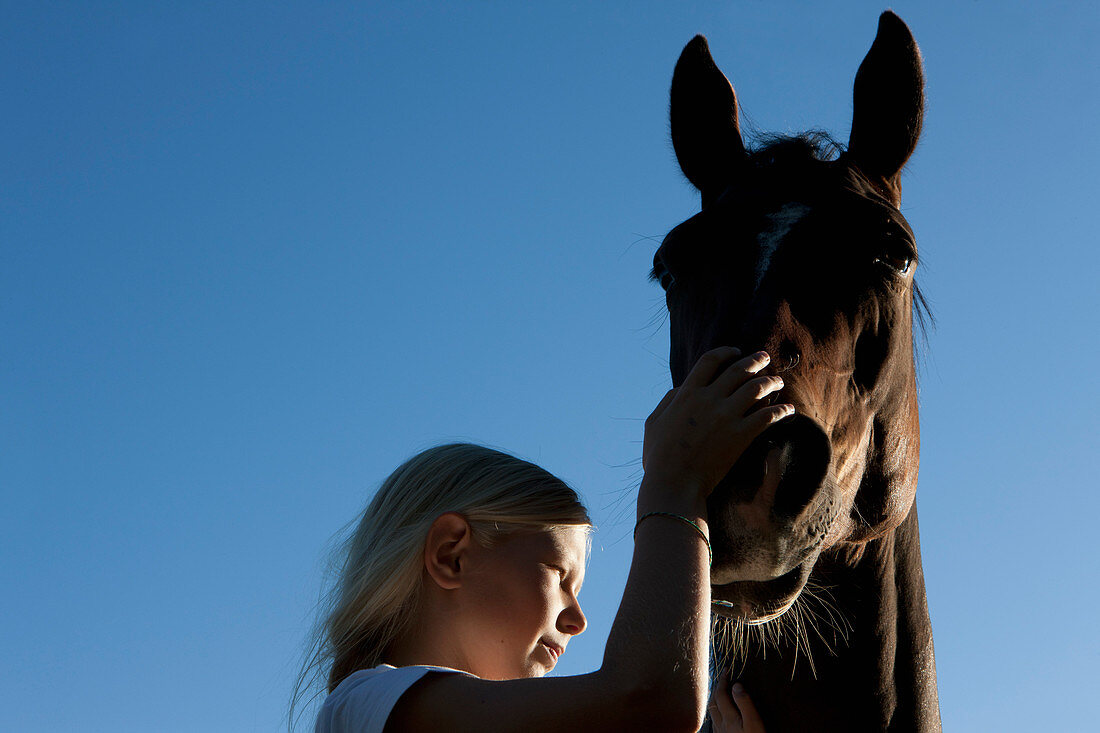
[(809, 621), (813, 611), (828, 616), (822, 595), (793, 620), (859, 516)]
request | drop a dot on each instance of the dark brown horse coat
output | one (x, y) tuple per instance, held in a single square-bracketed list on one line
[(800, 249)]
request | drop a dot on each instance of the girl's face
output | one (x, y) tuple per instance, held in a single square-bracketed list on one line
[(521, 608)]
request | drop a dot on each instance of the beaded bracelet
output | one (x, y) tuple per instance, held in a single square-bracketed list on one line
[(694, 526)]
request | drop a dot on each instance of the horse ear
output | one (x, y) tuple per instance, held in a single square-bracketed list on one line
[(888, 106), (703, 116)]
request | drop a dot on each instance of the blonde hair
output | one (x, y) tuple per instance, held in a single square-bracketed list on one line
[(378, 581)]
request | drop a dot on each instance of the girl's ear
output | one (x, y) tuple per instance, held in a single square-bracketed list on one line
[(445, 550)]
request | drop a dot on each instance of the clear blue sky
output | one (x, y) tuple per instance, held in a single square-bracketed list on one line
[(254, 255)]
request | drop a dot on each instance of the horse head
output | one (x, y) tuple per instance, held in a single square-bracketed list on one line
[(800, 249)]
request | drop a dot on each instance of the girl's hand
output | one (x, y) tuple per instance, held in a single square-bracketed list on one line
[(731, 710), (702, 427)]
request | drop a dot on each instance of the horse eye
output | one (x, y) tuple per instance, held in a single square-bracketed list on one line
[(899, 264)]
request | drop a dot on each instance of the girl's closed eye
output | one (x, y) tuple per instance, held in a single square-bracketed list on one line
[(562, 572), (568, 578)]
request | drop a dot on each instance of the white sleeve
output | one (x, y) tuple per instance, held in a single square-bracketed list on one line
[(362, 702)]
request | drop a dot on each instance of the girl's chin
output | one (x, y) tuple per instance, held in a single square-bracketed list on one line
[(537, 668)]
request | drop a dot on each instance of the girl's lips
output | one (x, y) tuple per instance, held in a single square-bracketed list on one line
[(554, 649)]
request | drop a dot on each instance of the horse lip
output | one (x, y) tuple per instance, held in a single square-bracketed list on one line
[(738, 599), (772, 615), (786, 578)]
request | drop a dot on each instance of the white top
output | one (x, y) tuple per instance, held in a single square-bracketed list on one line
[(363, 701)]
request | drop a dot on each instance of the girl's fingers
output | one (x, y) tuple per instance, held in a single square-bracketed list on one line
[(739, 371), (751, 391), (760, 420), (653, 417), (717, 718), (750, 719), (707, 366), (723, 711), (669, 396)]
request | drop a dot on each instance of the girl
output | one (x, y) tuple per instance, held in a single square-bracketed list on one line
[(459, 591)]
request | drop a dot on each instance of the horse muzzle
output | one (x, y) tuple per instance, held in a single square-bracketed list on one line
[(771, 512)]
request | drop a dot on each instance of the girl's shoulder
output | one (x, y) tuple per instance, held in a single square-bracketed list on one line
[(363, 701)]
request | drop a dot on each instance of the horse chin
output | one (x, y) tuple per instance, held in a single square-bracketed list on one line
[(760, 601)]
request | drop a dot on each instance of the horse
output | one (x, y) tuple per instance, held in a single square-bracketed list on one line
[(800, 249)]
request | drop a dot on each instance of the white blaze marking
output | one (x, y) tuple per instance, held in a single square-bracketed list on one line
[(780, 223)]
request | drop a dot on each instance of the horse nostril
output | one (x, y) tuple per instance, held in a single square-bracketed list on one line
[(806, 463)]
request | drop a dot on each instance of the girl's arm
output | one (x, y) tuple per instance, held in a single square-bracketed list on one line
[(654, 671)]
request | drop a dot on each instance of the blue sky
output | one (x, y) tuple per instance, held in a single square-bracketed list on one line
[(256, 255)]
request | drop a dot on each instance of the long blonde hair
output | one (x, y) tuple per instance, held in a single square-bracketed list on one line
[(378, 580)]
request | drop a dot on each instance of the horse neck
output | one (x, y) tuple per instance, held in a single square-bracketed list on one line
[(883, 677)]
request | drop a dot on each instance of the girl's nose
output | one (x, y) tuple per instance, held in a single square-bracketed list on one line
[(572, 620)]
